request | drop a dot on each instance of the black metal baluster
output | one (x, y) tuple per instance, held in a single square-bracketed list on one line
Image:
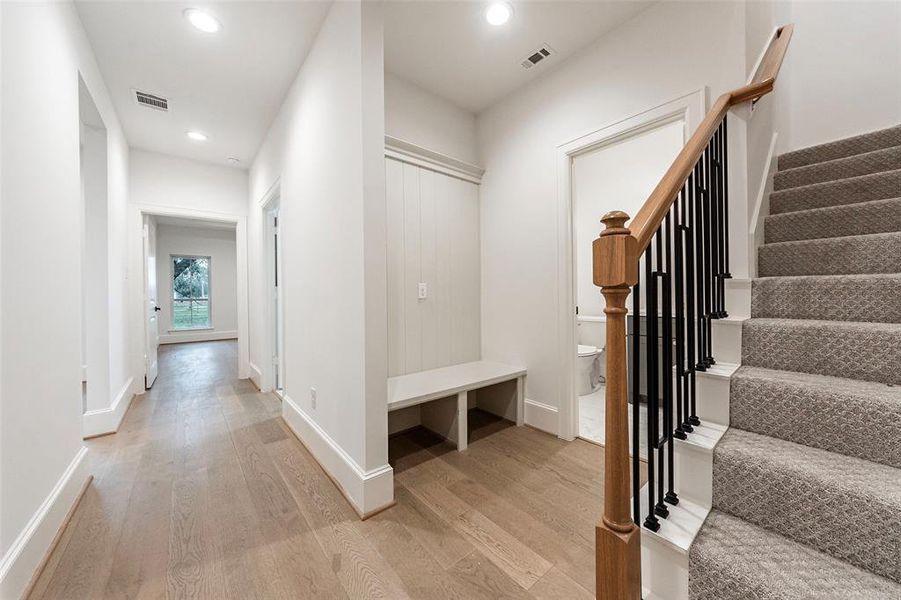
[(723, 226), (688, 235), (660, 508), (679, 276), (697, 244), (708, 259), (636, 403), (667, 372), (726, 273), (651, 521)]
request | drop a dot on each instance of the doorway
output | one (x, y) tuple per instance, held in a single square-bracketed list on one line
[(614, 168), (95, 355), (273, 257)]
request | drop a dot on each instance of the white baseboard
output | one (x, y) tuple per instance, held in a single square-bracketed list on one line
[(107, 420), (762, 204), (542, 416), (367, 491), (28, 551), (256, 376), (197, 336)]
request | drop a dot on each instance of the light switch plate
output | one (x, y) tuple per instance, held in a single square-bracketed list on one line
[(423, 291)]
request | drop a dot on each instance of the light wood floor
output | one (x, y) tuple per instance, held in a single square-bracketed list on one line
[(205, 493)]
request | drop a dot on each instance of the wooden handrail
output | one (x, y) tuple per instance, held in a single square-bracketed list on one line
[(651, 214), (616, 255)]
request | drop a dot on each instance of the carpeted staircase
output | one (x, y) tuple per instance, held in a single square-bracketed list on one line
[(807, 480)]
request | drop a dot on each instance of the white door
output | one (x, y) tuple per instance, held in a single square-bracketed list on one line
[(278, 334), (151, 303)]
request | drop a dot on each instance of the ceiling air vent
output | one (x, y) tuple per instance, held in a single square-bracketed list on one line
[(536, 57), (151, 101)]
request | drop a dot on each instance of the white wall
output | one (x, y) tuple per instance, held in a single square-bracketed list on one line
[(418, 116), (326, 148), (433, 238), (220, 246), (618, 176), (843, 70), (44, 48), (169, 181), (660, 55)]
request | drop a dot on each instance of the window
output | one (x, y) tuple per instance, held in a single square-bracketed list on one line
[(191, 292)]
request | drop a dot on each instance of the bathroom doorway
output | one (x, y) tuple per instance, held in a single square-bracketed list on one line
[(615, 168)]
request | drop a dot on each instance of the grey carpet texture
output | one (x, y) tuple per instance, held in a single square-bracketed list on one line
[(807, 480), (886, 159), (849, 349), (847, 416), (732, 559), (877, 186), (859, 144), (856, 254), (871, 298), (875, 216), (809, 495)]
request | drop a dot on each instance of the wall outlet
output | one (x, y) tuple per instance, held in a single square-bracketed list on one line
[(313, 397), (423, 291)]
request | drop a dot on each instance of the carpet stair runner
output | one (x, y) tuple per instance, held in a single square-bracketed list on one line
[(807, 480)]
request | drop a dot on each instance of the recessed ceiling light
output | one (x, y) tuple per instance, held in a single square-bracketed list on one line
[(233, 161), (202, 20), (498, 13), (196, 136)]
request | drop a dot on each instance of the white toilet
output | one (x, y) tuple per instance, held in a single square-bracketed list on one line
[(592, 333)]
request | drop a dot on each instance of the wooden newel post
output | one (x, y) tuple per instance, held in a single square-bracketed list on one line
[(618, 548)]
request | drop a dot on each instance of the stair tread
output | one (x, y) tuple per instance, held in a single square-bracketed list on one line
[(845, 506), (853, 254), (875, 161), (851, 349), (732, 559), (851, 417), (851, 146), (862, 218), (852, 190)]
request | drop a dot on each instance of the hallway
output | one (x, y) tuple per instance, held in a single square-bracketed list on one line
[(205, 493)]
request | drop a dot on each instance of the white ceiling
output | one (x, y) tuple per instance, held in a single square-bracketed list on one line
[(229, 85), (449, 49)]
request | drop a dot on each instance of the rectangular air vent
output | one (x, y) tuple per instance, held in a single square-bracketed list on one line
[(536, 57), (151, 101)]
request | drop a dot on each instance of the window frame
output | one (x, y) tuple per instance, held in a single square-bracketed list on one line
[(209, 297)]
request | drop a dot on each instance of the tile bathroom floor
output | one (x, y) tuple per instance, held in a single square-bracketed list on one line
[(592, 424)]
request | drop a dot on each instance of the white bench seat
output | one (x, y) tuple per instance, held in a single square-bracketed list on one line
[(426, 386)]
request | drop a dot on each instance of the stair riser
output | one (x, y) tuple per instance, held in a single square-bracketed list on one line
[(664, 571), (863, 427), (836, 256), (851, 527), (887, 159), (880, 216), (875, 299), (853, 353), (879, 186), (726, 341), (712, 399), (838, 149)]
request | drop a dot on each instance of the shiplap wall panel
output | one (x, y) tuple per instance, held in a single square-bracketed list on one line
[(394, 196), (433, 237), (412, 270)]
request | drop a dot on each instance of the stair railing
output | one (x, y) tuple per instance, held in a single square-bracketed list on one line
[(682, 233)]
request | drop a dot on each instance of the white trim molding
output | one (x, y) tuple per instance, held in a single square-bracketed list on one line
[(542, 416), (256, 376), (761, 210), (204, 335), (689, 108), (108, 420), (30, 549), (409, 152), (367, 491)]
